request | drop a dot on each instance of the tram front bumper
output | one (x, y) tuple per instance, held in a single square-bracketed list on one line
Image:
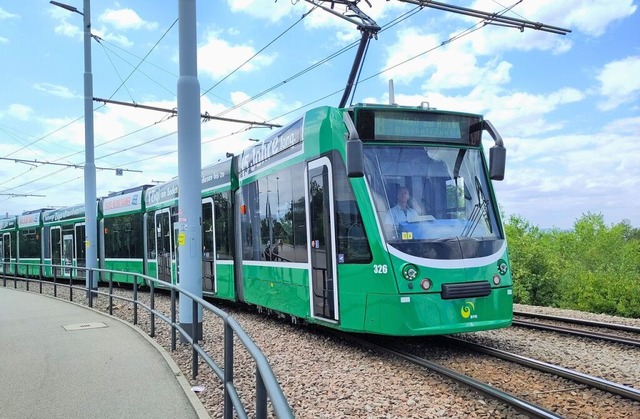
[(429, 314)]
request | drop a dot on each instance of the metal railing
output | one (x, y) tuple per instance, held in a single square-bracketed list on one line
[(266, 385)]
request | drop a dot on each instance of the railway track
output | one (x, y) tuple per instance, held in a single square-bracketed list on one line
[(589, 380), (521, 405), (326, 377), (539, 404), (628, 335)]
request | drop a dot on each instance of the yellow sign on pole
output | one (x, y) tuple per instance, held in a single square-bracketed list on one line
[(182, 238)]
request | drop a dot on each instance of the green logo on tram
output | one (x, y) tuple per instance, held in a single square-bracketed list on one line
[(467, 310)]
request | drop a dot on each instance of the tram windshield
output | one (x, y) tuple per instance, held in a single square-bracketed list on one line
[(433, 202)]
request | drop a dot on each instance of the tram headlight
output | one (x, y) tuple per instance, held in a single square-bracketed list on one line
[(426, 284), (496, 279), (410, 272)]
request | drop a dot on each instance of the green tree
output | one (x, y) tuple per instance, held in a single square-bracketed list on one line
[(532, 265), (593, 267)]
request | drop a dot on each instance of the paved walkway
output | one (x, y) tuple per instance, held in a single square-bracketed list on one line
[(62, 360)]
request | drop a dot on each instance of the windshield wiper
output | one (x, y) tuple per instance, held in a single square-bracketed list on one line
[(479, 210)]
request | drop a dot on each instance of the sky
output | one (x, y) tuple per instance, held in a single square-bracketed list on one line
[(567, 106)]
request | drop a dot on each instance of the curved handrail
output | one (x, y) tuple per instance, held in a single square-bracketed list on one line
[(267, 386)]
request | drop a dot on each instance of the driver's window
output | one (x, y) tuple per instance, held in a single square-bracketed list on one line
[(455, 198)]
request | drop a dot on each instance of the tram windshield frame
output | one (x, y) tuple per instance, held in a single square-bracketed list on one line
[(453, 212)]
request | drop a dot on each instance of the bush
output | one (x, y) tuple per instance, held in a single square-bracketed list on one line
[(593, 268)]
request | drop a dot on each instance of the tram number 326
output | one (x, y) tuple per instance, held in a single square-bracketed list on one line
[(380, 269)]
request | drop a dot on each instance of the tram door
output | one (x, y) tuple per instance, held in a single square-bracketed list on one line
[(323, 277), (67, 253), (5, 244), (164, 250), (209, 247), (56, 249), (80, 250)]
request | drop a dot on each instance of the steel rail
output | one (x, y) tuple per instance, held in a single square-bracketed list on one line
[(613, 326), (600, 383), (577, 332), (521, 405)]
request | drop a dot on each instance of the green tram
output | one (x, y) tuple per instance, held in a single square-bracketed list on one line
[(120, 233), (63, 237), (30, 242), (8, 244), (372, 219), (316, 235), (162, 231)]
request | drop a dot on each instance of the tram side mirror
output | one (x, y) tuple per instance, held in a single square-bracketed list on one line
[(355, 158), (354, 149), (497, 159)]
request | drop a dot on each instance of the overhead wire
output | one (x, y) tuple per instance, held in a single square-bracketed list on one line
[(136, 68), (218, 83), (317, 64), (304, 15), (262, 93), (390, 24), (465, 32), (98, 39), (145, 57)]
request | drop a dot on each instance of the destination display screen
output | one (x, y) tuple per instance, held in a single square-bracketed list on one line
[(404, 125)]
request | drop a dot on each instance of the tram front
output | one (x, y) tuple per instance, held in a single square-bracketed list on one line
[(436, 211)]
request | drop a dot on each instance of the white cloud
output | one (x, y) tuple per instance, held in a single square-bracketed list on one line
[(126, 19), (4, 15), (411, 43), (522, 113), (55, 90), (594, 17), (619, 83), (18, 111), (3, 40), (217, 57), (591, 17), (344, 31), (625, 126), (67, 23), (273, 12), (572, 174), (119, 39), (66, 29)]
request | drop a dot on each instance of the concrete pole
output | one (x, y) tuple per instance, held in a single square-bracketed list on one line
[(90, 201), (189, 166)]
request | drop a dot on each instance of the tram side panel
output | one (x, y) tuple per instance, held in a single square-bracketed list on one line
[(29, 243), (273, 239), (65, 231), (122, 235)]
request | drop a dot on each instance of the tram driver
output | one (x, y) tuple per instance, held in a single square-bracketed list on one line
[(404, 218), (402, 212)]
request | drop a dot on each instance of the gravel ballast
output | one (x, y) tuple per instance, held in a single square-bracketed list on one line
[(323, 376)]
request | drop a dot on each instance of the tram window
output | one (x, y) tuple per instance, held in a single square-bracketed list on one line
[(273, 227), (68, 231), (56, 243), (81, 248), (123, 236), (299, 215), (222, 206), (151, 236), (352, 242), (46, 233), (207, 229), (29, 243)]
